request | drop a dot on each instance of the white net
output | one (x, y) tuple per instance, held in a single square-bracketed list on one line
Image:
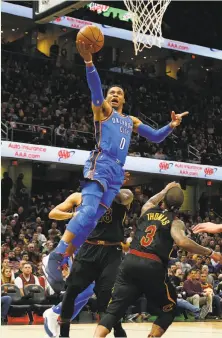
[(147, 18)]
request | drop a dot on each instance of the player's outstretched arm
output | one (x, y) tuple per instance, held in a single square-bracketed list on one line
[(157, 136), (178, 234), (156, 199), (101, 108), (63, 211), (209, 227)]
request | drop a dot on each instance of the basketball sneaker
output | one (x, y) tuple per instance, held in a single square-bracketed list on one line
[(51, 325), (57, 284)]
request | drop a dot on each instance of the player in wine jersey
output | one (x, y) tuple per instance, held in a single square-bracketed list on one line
[(144, 270), (103, 171)]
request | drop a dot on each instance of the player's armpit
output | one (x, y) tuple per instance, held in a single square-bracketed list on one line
[(136, 123)]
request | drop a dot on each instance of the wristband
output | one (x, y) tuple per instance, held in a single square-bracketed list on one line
[(88, 61)]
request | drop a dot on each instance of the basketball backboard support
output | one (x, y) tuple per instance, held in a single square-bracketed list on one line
[(45, 11)]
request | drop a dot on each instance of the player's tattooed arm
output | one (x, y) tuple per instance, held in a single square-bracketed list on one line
[(64, 211), (125, 197), (178, 234), (156, 199)]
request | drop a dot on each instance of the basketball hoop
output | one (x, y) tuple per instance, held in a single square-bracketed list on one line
[(146, 16)]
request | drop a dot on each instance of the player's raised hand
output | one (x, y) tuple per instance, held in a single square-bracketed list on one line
[(207, 227), (172, 185), (177, 118), (84, 50)]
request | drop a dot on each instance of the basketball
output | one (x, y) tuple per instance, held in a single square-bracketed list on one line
[(91, 35)]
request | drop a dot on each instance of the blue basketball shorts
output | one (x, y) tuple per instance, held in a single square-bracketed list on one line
[(107, 172)]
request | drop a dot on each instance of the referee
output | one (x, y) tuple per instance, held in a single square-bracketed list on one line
[(98, 260)]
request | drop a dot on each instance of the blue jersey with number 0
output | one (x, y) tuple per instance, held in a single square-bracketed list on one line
[(113, 135)]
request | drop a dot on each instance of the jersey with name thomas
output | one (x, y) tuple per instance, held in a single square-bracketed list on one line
[(153, 233)]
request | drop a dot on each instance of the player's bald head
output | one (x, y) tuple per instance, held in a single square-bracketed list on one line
[(174, 198)]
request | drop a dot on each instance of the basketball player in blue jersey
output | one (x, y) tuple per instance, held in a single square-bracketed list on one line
[(103, 170)]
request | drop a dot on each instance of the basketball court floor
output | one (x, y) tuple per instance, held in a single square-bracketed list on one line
[(177, 330)]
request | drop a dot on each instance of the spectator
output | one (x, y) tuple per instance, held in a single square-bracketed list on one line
[(209, 264), (21, 264), (6, 186), (20, 185), (17, 252), (25, 256), (176, 278), (208, 289), (48, 247), (130, 238), (11, 256), (195, 293), (198, 264), (54, 232), (209, 278), (5, 263), (26, 278), (183, 304), (5, 305), (184, 265), (41, 238), (7, 276)]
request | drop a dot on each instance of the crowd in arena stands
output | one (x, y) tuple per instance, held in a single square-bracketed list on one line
[(45, 104), (28, 235)]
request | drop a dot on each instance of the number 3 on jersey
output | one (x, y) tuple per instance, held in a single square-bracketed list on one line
[(122, 143), (147, 240)]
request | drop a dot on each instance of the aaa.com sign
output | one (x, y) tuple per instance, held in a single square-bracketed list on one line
[(178, 46), (24, 151), (190, 170)]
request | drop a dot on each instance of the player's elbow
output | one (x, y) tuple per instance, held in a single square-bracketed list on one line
[(181, 242), (52, 214)]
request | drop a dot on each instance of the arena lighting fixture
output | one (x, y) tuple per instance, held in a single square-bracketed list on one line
[(13, 29)]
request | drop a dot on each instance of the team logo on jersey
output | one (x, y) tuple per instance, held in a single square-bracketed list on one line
[(107, 218), (168, 307), (209, 171), (64, 154), (164, 166)]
